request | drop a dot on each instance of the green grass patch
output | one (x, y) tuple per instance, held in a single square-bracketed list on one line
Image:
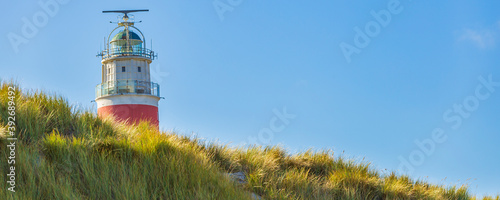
[(68, 153)]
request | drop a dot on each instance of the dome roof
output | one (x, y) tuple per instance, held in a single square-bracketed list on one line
[(122, 35)]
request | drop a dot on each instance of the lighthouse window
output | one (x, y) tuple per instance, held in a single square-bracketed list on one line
[(138, 69), (123, 69)]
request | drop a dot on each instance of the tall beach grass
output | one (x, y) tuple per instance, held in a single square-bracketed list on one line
[(69, 153)]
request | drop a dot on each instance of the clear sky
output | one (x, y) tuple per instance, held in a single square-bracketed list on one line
[(412, 86)]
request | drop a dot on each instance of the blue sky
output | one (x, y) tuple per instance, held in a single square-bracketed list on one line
[(230, 72)]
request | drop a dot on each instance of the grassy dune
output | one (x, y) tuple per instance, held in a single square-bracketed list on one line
[(68, 153)]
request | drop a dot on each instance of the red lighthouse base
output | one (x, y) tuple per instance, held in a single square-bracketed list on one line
[(131, 113)]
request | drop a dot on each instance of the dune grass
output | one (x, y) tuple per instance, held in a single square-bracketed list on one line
[(68, 153)]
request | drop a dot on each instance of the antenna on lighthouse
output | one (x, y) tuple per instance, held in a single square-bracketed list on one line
[(125, 17), (125, 12)]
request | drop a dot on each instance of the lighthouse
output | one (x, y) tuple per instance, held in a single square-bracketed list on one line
[(126, 90)]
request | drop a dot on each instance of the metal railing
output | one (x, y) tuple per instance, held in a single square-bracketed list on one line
[(127, 87), (127, 51)]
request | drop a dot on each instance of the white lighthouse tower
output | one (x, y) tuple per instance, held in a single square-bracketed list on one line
[(126, 91)]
